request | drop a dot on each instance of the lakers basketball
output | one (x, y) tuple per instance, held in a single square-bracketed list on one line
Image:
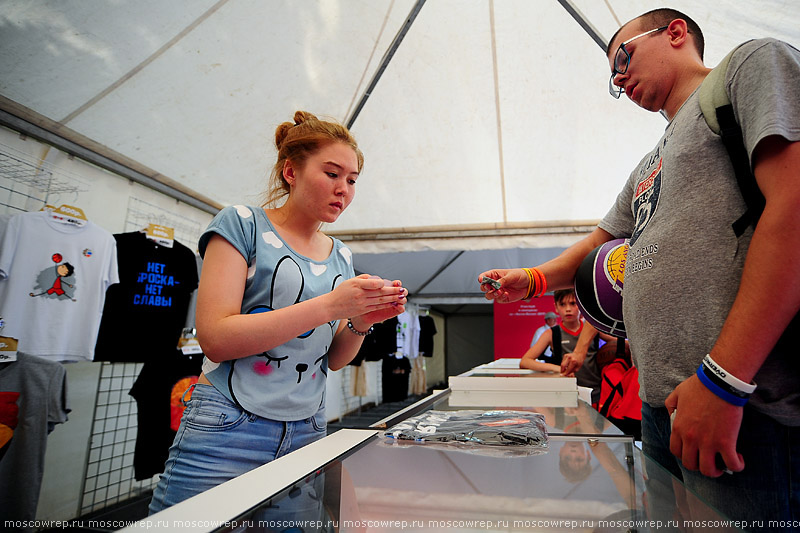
[(598, 287)]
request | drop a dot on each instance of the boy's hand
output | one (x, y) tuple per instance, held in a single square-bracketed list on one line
[(704, 428), (571, 363), (513, 285)]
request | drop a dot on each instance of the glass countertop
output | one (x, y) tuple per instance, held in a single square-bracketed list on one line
[(578, 483), (589, 477)]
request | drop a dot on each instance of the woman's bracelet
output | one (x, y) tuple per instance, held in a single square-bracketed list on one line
[(352, 328)]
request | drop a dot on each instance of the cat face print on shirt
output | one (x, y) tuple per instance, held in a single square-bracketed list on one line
[(302, 356)]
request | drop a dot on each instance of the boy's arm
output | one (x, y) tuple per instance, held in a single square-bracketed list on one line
[(559, 272), (537, 335), (766, 284), (539, 366), (529, 360)]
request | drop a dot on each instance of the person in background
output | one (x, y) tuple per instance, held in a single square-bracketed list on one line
[(695, 280), (550, 320), (278, 307), (572, 362), (562, 339)]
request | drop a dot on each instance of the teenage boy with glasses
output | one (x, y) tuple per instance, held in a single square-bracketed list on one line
[(622, 59), (694, 285)]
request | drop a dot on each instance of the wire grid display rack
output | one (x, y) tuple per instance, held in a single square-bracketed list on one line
[(110, 474), (28, 185)]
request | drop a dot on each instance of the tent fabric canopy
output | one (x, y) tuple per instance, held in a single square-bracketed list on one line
[(490, 113)]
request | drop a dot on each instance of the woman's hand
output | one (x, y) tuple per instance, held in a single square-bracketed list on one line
[(369, 298), (380, 315), (513, 285), (364, 300)]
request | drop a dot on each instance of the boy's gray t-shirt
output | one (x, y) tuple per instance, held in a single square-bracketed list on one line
[(685, 261)]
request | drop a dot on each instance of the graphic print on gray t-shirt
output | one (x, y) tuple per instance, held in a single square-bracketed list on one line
[(645, 201)]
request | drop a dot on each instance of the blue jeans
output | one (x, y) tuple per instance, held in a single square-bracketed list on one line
[(768, 489), (218, 441)]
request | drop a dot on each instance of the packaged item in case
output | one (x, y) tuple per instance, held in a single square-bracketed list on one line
[(475, 430)]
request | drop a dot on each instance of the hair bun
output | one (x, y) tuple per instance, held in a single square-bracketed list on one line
[(303, 116), (282, 131)]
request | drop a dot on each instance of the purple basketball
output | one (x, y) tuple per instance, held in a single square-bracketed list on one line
[(598, 287)]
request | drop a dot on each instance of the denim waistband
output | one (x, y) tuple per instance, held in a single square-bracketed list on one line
[(202, 391)]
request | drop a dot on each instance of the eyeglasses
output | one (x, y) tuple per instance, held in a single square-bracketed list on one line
[(621, 60)]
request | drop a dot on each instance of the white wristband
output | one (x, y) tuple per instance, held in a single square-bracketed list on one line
[(725, 376)]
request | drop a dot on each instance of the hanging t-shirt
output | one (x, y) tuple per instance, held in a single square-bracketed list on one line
[(381, 342), (54, 279), (4, 218), (33, 399), (191, 317), (158, 392), (385, 339), (408, 334), (427, 329), (412, 348), (395, 372), (145, 313)]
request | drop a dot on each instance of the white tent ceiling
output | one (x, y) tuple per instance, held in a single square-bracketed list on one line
[(491, 114)]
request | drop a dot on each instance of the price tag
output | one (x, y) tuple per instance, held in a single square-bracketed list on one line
[(161, 235), (191, 347), (8, 349)]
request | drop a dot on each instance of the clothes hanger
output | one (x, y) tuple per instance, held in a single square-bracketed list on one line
[(67, 214), (162, 235)]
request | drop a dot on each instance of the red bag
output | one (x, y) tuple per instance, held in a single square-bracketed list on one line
[(619, 397)]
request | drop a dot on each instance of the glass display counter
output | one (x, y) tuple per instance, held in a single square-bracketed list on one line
[(388, 486), (590, 477)]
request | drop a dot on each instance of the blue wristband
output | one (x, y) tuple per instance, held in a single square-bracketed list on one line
[(716, 389)]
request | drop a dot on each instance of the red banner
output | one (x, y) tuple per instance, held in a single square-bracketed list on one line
[(515, 324)]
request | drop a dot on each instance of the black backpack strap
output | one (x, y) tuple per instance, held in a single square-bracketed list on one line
[(615, 388), (620, 353), (732, 139), (558, 350)]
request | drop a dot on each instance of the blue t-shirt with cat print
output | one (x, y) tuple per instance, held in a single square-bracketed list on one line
[(287, 382)]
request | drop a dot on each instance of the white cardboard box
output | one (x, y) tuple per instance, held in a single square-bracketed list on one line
[(512, 381), (515, 398)]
